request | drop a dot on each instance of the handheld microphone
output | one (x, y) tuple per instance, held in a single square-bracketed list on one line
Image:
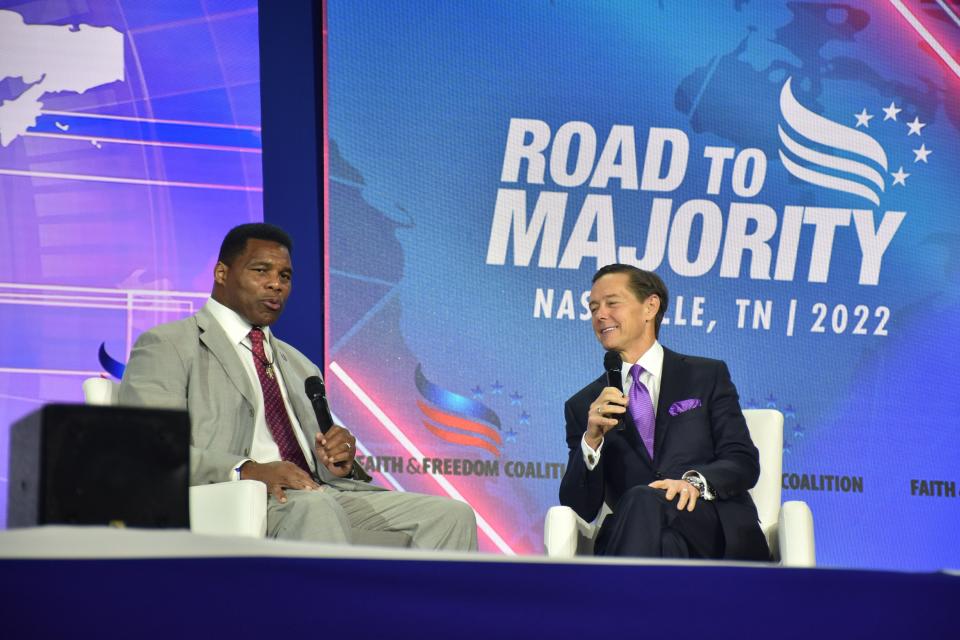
[(613, 363), (317, 393)]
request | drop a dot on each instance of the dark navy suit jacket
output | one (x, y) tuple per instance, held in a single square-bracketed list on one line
[(712, 439)]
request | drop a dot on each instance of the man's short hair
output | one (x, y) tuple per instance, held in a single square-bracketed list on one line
[(643, 284), (235, 242)]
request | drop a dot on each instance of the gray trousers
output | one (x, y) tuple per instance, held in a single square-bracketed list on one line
[(383, 518)]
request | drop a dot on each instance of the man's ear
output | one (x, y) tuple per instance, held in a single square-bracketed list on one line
[(652, 304), (220, 273)]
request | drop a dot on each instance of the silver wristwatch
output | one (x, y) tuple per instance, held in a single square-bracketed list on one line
[(697, 482)]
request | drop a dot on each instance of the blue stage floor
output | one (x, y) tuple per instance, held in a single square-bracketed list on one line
[(285, 591)]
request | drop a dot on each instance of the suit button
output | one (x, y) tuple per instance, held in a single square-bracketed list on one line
[(251, 413), (659, 475)]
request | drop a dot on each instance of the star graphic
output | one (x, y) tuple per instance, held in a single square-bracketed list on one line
[(524, 418), (515, 398), (921, 153), (477, 392), (497, 388), (900, 177), (915, 126), (890, 113), (771, 402), (863, 118), (510, 436)]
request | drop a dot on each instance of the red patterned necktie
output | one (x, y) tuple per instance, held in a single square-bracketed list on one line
[(274, 409)]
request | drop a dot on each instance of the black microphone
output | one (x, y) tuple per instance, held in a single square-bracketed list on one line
[(613, 363), (317, 393)]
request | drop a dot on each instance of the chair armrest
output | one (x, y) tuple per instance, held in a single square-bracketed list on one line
[(99, 391), (565, 534), (795, 535), (771, 531), (229, 509)]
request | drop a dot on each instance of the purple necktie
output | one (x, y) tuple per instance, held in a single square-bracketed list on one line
[(274, 410), (641, 408)]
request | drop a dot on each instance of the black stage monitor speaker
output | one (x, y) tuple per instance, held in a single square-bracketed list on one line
[(92, 465)]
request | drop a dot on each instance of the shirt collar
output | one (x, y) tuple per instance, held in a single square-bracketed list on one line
[(651, 361), (233, 324)]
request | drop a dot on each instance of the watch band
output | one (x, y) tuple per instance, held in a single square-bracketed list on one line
[(695, 481)]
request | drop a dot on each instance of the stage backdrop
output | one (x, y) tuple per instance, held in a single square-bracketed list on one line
[(789, 169), (129, 144)]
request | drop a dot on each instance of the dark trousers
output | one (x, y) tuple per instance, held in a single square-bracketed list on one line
[(645, 524)]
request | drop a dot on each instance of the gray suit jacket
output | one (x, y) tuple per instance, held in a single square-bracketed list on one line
[(190, 364)]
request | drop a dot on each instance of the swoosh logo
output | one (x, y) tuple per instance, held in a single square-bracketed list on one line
[(456, 418), (846, 160), (111, 366)]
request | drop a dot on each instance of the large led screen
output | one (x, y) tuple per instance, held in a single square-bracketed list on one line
[(789, 169), (129, 144)]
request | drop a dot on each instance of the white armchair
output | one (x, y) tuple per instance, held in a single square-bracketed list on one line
[(788, 527), (221, 509)]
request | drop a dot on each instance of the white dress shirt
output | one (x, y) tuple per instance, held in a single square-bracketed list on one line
[(263, 448)]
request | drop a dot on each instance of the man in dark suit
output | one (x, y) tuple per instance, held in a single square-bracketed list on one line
[(670, 452)]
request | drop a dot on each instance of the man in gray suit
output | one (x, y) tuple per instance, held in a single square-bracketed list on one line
[(250, 418)]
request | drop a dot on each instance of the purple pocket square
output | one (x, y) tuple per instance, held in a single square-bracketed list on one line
[(680, 406)]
